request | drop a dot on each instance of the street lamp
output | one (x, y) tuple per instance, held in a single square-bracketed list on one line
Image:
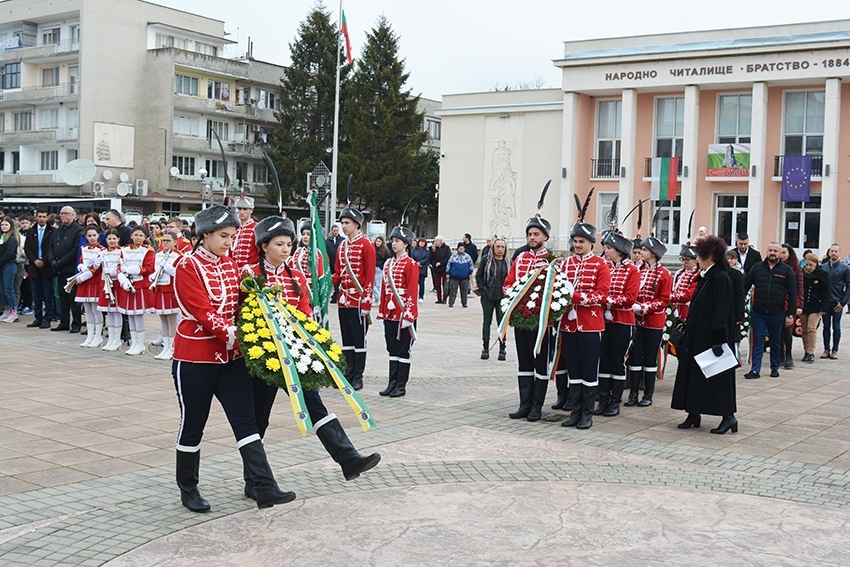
[(206, 187)]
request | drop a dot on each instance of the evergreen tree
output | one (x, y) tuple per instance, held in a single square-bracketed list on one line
[(307, 90), (385, 134)]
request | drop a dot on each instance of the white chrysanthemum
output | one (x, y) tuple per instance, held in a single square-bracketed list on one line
[(534, 295), (302, 368), (665, 337), (542, 276), (317, 366), (557, 294), (530, 304)]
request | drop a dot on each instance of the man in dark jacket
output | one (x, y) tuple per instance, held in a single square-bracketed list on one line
[(440, 255), (470, 247), (332, 243), (774, 282), (114, 219), (63, 254), (40, 273), (747, 255), (839, 283)]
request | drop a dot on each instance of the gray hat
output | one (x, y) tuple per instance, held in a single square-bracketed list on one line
[(273, 226), (538, 222), (243, 202), (583, 229), (618, 242), (404, 234), (688, 252), (353, 214), (655, 246), (306, 225), (214, 218)]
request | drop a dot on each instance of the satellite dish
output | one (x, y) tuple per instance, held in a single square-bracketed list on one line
[(124, 177), (123, 189), (174, 172), (107, 174), (78, 172)]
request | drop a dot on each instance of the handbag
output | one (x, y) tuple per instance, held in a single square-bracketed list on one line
[(677, 335)]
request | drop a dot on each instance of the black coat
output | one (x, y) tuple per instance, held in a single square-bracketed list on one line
[(440, 254), (9, 250), (490, 277), (711, 321), (64, 249), (31, 250), (816, 291), (753, 258), (331, 245), (740, 299)]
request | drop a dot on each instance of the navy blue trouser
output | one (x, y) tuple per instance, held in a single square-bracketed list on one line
[(767, 324), (581, 352), (264, 396)]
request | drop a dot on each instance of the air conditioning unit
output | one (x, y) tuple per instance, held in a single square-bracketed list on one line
[(98, 188), (141, 187), (255, 128)]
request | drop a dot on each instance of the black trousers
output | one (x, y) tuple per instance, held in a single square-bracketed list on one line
[(490, 306), (68, 308), (353, 327), (196, 384), (581, 352), (615, 345), (531, 364), (644, 352), (398, 347), (264, 396), (42, 299)]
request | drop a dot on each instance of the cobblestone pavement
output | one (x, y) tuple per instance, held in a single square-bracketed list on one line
[(87, 477)]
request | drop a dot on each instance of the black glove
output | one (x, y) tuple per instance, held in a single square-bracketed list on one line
[(717, 350), (54, 264)]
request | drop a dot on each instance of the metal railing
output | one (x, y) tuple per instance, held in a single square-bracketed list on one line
[(605, 168), (817, 166), (40, 92), (648, 167)]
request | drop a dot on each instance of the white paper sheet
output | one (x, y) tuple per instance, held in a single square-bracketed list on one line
[(712, 365)]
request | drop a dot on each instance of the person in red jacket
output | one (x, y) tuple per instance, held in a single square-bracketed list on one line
[(207, 361), (243, 251), (619, 322), (583, 323), (399, 309), (355, 276), (650, 309), (300, 258), (684, 282)]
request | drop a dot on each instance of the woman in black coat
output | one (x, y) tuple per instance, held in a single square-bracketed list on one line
[(816, 296), (710, 324), (490, 277)]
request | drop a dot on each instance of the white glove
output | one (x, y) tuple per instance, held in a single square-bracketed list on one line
[(365, 312), (83, 276), (609, 316), (112, 272), (406, 324), (82, 267), (125, 281), (638, 309), (132, 270)]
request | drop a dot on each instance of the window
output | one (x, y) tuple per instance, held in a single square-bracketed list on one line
[(180, 43), (72, 155), (434, 128), (218, 91), (186, 126), (50, 160), (185, 85), (186, 165), (163, 40), (48, 119), (50, 77), (221, 128), (266, 99), (261, 173), (51, 36), (2, 125), (215, 168), (170, 209), (603, 210), (670, 127), (801, 228), (804, 116), (205, 48), (731, 217), (609, 118), (734, 119), (73, 78), (23, 121), (668, 229), (12, 76), (75, 33)]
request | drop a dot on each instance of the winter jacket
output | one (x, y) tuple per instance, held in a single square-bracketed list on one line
[(421, 255), (773, 287), (65, 249), (440, 254), (460, 266), (839, 281), (816, 291), (490, 277), (9, 249)]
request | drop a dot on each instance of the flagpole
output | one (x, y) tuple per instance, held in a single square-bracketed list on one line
[(335, 155)]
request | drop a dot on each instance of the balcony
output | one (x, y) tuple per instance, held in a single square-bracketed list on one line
[(55, 93), (38, 51), (39, 136), (817, 167), (243, 149), (605, 168), (647, 172), (31, 178), (200, 104)]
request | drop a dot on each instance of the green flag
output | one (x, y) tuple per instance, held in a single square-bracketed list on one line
[(322, 286)]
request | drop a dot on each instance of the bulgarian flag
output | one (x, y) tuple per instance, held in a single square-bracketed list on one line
[(344, 28), (664, 178)]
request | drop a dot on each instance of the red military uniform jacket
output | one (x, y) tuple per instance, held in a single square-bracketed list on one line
[(625, 284), (207, 290), (525, 263), (243, 249), (184, 245), (656, 284), (355, 258), (300, 260), (684, 285), (403, 273), (281, 276), (591, 280)]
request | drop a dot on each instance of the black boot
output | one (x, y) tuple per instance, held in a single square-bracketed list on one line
[(693, 420), (526, 388), (575, 401), (563, 392), (393, 379), (728, 422), (502, 353), (188, 465), (401, 383), (359, 367), (648, 389), (635, 377), (485, 352), (537, 398), (255, 461), (250, 492), (349, 365), (617, 387), (604, 396), (588, 397), (341, 450)]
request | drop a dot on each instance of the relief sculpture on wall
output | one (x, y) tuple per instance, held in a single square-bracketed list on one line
[(503, 184)]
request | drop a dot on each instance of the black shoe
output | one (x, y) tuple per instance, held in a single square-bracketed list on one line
[(187, 480), (45, 325), (751, 375), (35, 324), (502, 353), (560, 402), (62, 328), (774, 373), (257, 465), (693, 420), (789, 363), (75, 329), (645, 402), (728, 422), (633, 399), (341, 450), (485, 353)]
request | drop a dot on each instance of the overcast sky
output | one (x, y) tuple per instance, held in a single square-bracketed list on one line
[(454, 46)]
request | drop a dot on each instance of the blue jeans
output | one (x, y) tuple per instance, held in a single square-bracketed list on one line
[(765, 324), (7, 278), (832, 322), (42, 294)]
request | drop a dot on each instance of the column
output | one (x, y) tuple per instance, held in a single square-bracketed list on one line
[(567, 216), (829, 184), (759, 172), (628, 161), (690, 151)]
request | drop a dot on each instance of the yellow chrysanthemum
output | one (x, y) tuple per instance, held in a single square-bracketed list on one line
[(334, 356), (311, 326), (269, 346), (247, 315), (323, 335), (260, 323), (257, 312), (247, 327), (250, 338), (255, 352), (300, 316), (273, 364), (335, 349), (264, 333)]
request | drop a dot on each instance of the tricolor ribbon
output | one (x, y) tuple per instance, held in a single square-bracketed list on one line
[(388, 277)]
